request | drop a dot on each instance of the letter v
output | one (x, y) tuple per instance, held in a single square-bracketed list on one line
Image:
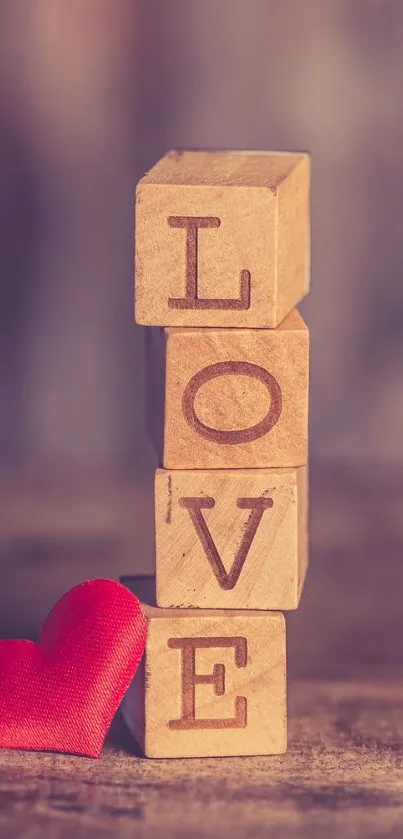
[(257, 506)]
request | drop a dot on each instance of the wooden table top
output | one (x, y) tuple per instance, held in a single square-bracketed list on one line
[(343, 773)]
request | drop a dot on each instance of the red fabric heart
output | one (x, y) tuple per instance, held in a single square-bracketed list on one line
[(61, 694)]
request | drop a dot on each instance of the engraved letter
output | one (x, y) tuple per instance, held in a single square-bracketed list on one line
[(190, 679), (232, 368), (257, 506), (191, 299)]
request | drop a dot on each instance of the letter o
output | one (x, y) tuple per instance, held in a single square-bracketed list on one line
[(232, 368)]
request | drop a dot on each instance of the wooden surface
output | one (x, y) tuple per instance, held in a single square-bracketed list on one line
[(231, 539), (342, 775), (213, 682), (222, 239), (233, 398)]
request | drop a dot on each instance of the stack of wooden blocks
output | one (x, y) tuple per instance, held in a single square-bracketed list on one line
[(222, 259)]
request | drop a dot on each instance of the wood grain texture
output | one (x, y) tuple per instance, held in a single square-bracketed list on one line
[(250, 252), (233, 398), (213, 683), (231, 539), (341, 776)]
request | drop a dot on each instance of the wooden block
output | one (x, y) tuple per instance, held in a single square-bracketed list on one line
[(233, 398), (231, 539), (212, 683), (222, 239)]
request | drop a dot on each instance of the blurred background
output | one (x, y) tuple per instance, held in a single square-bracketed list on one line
[(91, 94)]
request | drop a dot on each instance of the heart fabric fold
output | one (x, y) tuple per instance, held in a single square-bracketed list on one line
[(61, 693)]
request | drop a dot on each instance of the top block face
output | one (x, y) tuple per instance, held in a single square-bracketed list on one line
[(222, 239)]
